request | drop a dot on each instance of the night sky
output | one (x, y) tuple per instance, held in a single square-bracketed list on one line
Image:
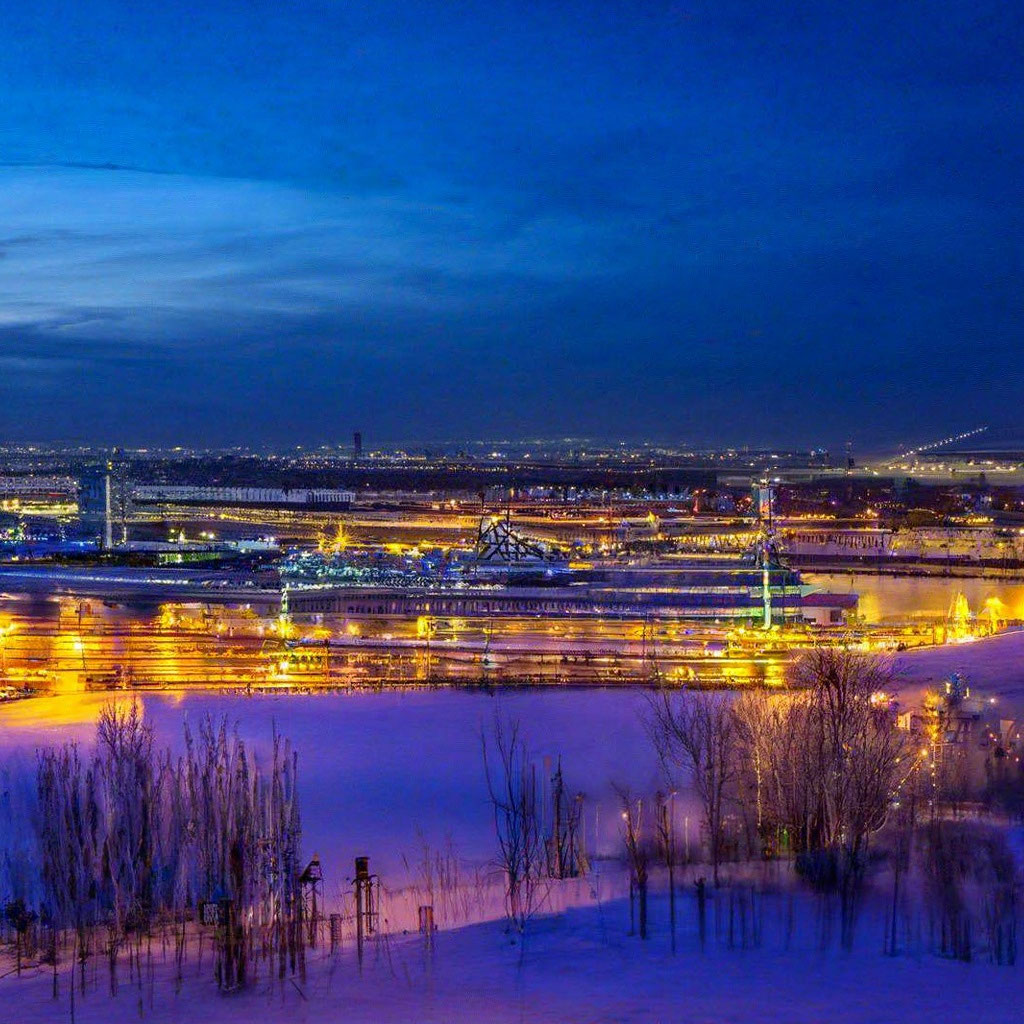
[(715, 222)]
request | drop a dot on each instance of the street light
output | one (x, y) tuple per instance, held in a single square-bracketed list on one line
[(5, 632)]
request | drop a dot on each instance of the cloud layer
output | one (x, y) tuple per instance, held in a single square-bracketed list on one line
[(707, 221)]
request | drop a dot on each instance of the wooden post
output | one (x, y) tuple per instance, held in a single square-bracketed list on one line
[(426, 922), (702, 911), (364, 903)]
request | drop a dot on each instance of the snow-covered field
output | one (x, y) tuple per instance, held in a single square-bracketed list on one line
[(385, 774), (993, 666), (380, 773), (377, 768), (581, 966)]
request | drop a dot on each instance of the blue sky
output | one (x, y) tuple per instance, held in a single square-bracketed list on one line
[(710, 221)]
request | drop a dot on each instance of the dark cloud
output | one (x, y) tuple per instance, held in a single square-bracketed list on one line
[(712, 220)]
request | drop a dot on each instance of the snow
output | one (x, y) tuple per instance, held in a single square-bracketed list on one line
[(581, 966), (385, 773), (994, 667), (379, 773)]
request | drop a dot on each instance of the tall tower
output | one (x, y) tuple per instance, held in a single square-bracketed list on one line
[(357, 445), (766, 550), (108, 512)]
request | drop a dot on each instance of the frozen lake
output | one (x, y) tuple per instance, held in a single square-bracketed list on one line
[(377, 770), (383, 772)]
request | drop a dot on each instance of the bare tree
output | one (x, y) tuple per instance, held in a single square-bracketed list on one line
[(512, 785), (636, 852), (852, 765), (695, 733), (971, 889), (901, 847), (128, 837), (567, 856), (124, 777), (814, 769), (21, 918), (666, 831), (764, 749)]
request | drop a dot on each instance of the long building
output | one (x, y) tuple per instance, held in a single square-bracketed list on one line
[(732, 595), (266, 497), (38, 487), (980, 544)]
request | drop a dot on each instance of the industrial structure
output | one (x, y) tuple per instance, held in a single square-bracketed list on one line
[(253, 497), (509, 575)]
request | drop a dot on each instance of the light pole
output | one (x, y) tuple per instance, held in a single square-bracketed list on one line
[(4, 632)]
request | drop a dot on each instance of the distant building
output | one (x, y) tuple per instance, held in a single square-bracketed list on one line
[(357, 444), (38, 487), (105, 501), (267, 497)]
